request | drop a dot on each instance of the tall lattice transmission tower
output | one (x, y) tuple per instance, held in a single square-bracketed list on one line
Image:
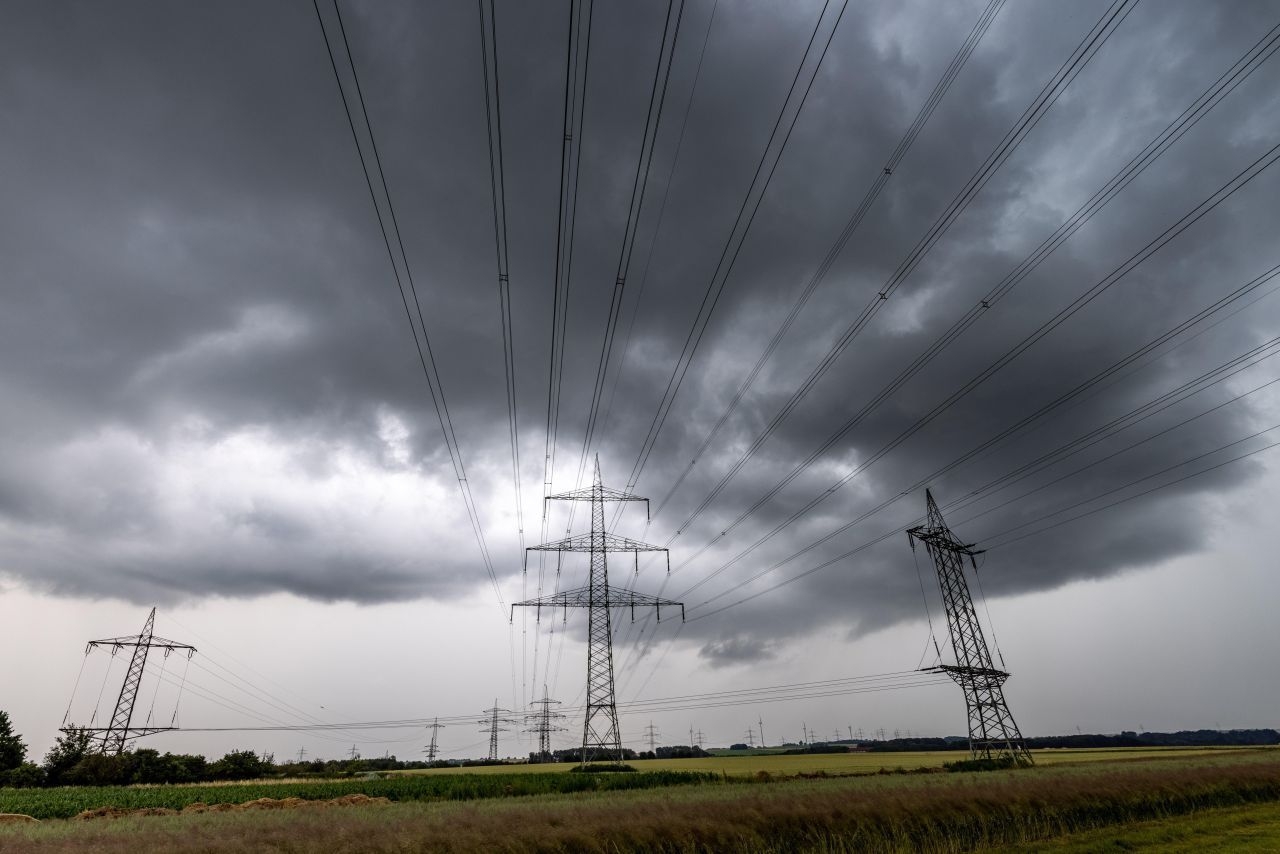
[(652, 735), (543, 721), (118, 732), (992, 731), (601, 737), (494, 722), (432, 749)]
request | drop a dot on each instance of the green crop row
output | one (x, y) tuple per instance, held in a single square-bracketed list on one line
[(67, 801)]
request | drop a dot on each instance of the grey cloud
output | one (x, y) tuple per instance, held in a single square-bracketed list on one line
[(192, 262)]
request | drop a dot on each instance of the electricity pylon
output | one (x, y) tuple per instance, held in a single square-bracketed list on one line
[(119, 731), (435, 726), (601, 737), (543, 720), (992, 731), (652, 735), (495, 723)]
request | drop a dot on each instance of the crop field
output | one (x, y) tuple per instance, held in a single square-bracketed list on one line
[(67, 801), (748, 765), (1179, 798)]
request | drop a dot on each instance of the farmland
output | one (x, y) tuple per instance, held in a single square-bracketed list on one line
[(840, 763), (1056, 804), (67, 801)]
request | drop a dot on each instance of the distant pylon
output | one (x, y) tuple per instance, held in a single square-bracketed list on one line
[(435, 726), (992, 730), (601, 737), (652, 735), (751, 737), (760, 722), (494, 723), (116, 734), (698, 739), (543, 720)]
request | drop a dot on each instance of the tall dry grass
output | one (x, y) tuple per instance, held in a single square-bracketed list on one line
[(829, 816)]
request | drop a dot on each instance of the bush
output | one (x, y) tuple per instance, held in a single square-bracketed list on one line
[(13, 750), (1000, 763), (600, 768), (28, 775)]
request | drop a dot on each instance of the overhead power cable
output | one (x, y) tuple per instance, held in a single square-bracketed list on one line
[(658, 221), (1241, 180), (1224, 371), (714, 699), (498, 190), (737, 234), (997, 542), (890, 168), (1198, 109), (1030, 117), (577, 66), (940, 89), (639, 184), (390, 228)]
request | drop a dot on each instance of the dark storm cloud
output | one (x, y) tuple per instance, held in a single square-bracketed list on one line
[(209, 388)]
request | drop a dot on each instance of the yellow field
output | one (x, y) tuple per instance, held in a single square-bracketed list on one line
[(841, 763)]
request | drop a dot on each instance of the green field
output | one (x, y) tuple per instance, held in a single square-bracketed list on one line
[(1083, 801), (67, 801), (747, 765), (1251, 828)]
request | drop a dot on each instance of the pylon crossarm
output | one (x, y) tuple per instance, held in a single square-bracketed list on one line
[(601, 493), (581, 598), (134, 732), (134, 640), (598, 542), (953, 670)]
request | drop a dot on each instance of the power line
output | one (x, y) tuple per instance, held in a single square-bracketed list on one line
[(1242, 179), (658, 221), (388, 226), (1255, 354), (1197, 110), (577, 64), (498, 190), (1048, 96), (940, 89), (733, 245), (648, 143), (1133, 483)]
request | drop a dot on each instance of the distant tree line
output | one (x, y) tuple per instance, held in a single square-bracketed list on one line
[(73, 761), (1183, 738)]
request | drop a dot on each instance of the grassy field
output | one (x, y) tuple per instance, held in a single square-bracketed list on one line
[(1174, 797), (67, 801), (1250, 828), (844, 763)]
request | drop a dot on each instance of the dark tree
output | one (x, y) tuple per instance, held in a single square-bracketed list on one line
[(13, 750)]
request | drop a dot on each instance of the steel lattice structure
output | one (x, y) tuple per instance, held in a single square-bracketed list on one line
[(993, 733), (493, 723), (601, 737), (431, 749), (542, 722), (119, 731)]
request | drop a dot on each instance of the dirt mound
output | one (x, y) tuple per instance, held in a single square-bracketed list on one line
[(120, 812), (258, 804), (17, 818)]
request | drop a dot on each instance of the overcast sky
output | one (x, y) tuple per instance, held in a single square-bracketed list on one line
[(212, 402)]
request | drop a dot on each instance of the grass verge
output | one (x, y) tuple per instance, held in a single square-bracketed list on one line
[(67, 801), (930, 813)]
